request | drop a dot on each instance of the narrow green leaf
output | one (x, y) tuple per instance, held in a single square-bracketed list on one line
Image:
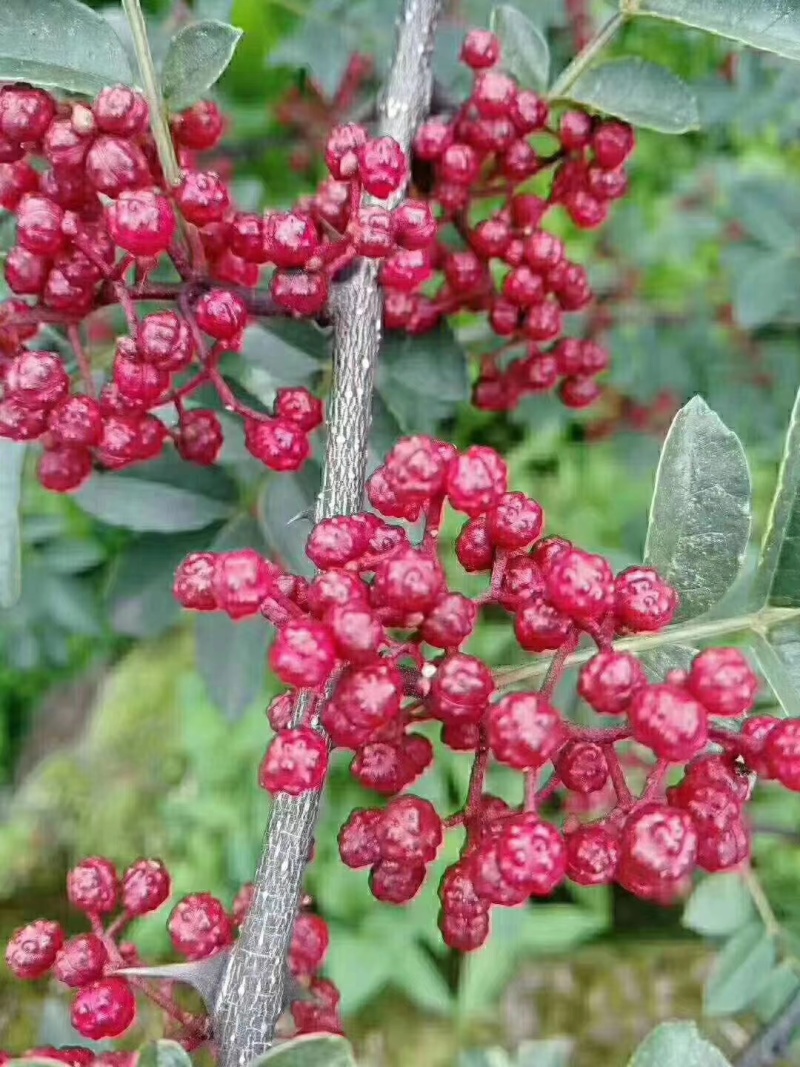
[(164, 1054), (766, 288), (12, 460), (60, 44), (740, 970), (140, 598), (286, 514), (677, 1045), (550, 1052), (310, 1051), (700, 512), (197, 57), (777, 578), (639, 92), (719, 906), (658, 662), (526, 53), (771, 25), (137, 504), (231, 656), (778, 673), (72, 555), (423, 380)]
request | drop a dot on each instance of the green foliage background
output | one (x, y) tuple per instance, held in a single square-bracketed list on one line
[(126, 729)]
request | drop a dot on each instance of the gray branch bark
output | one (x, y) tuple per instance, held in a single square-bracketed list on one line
[(252, 994), (771, 1045)]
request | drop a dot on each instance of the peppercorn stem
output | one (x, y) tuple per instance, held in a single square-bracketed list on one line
[(152, 91), (758, 622), (586, 56)]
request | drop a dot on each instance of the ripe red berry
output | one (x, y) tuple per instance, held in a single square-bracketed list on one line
[(93, 886), (337, 541), (77, 421), (582, 767), (146, 885), (240, 582), (474, 547), (199, 438), (669, 721), (612, 144), (221, 314), (409, 831), (781, 752), (432, 138), (357, 632), (609, 680), (581, 585), (493, 94), (121, 111), (450, 621), (530, 854), (309, 945), (296, 762), (341, 151), (464, 933), (141, 221), (396, 883), (358, 844), (290, 239), (105, 1009), (303, 654), (300, 407), (480, 49), (382, 166), (658, 844), (164, 339), (410, 580), (246, 236), (194, 582), (32, 950), (80, 961), (202, 196), (592, 854), (414, 224), (25, 113), (280, 444), (199, 926), (514, 521), (114, 164), (64, 469), (200, 128), (643, 601), (524, 730), (539, 627), (723, 681), (303, 293), (476, 480)]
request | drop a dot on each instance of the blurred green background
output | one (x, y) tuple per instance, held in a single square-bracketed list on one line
[(127, 729)]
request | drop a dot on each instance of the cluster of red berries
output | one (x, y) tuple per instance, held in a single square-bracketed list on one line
[(503, 149), (199, 927), (95, 213), (371, 649)]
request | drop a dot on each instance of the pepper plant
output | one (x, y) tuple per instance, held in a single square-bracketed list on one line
[(627, 727)]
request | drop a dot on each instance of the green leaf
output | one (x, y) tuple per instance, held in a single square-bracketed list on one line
[(740, 971), (677, 1045), (485, 1057), (766, 288), (282, 358), (147, 506), (60, 44), (359, 966), (551, 1052), (719, 906), (777, 578), (423, 380), (140, 597), (639, 92), (658, 662), (231, 656), (778, 663), (164, 1054), (771, 25), (700, 512), (70, 555), (197, 57), (12, 460), (310, 1051), (526, 53), (286, 514)]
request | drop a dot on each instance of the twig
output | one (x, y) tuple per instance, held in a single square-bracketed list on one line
[(586, 56), (771, 1045), (252, 994)]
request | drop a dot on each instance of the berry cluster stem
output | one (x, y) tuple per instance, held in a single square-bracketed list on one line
[(252, 993), (586, 56), (152, 91)]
